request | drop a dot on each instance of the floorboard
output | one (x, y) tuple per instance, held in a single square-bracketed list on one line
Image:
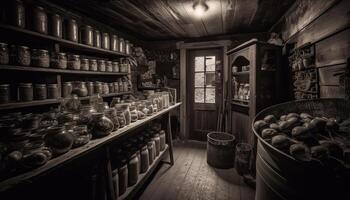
[(192, 178)]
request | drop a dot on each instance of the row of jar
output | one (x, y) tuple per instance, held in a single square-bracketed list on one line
[(24, 56), (135, 157), (55, 25)]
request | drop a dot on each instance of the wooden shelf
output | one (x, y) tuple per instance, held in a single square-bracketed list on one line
[(80, 151), (240, 104), (57, 71), (240, 73), (14, 105), (308, 92), (143, 177), (62, 42)]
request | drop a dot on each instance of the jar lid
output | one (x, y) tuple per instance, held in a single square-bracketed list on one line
[(19, 46), (84, 59), (40, 85), (100, 60), (56, 15), (40, 50), (72, 20), (26, 84), (92, 60), (52, 85), (67, 83), (109, 62), (87, 26), (105, 34), (97, 31), (39, 8), (73, 56)]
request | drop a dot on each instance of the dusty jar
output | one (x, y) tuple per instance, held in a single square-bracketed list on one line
[(98, 87), (133, 170), (101, 125), (59, 140), (40, 92), (115, 66), (156, 139), (127, 47), (58, 60), (84, 64), (4, 54), (121, 119), (81, 135), (116, 87), (52, 91), (114, 43), (39, 20), (97, 38), (4, 93), (144, 159), (20, 55), (111, 87), (25, 92), (115, 180), (151, 151), (101, 65), (85, 115), (93, 65), (40, 58), (112, 115), (121, 45), (90, 88), (17, 13), (73, 62), (123, 177), (80, 89), (162, 140), (121, 85), (67, 89), (109, 67), (56, 25), (72, 30), (87, 35), (105, 41), (105, 88)]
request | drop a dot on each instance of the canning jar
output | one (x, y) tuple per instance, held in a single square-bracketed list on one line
[(121, 85), (156, 139), (97, 38), (151, 151), (67, 89), (144, 159), (133, 113), (162, 140), (105, 89), (93, 65), (72, 30), (98, 88), (40, 92), (121, 119), (59, 140), (4, 54), (52, 91), (123, 177), (101, 65), (73, 62), (39, 20), (112, 115), (87, 35), (127, 47), (116, 87), (111, 87), (20, 55), (56, 25), (85, 115), (125, 107), (84, 64), (133, 171), (40, 58), (109, 67), (17, 13), (4, 93), (58, 60), (121, 45), (25, 92), (115, 180), (90, 88), (101, 126), (125, 85), (81, 135), (105, 41), (114, 43), (80, 89), (115, 66)]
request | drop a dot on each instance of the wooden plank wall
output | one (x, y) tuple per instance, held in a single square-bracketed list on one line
[(327, 25)]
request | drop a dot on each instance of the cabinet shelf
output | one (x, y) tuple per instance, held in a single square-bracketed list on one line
[(238, 102), (240, 73), (58, 71), (63, 42)]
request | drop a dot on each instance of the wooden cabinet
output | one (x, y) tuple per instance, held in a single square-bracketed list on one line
[(255, 83)]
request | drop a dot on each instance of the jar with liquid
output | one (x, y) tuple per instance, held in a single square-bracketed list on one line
[(97, 38), (87, 35), (72, 30), (40, 20), (56, 25), (105, 41), (114, 43)]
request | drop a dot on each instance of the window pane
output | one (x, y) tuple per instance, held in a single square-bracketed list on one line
[(199, 95), (210, 63), (199, 79), (210, 79), (210, 95), (199, 63)]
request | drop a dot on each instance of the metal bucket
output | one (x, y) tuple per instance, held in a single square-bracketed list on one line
[(220, 150)]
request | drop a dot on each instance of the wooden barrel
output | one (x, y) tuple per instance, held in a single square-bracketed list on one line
[(220, 150)]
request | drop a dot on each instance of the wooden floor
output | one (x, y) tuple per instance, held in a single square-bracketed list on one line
[(192, 178)]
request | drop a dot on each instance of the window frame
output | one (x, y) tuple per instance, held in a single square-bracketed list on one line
[(205, 86)]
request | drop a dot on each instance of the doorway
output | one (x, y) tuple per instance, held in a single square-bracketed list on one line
[(204, 90)]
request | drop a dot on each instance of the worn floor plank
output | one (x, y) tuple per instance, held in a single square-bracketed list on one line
[(192, 178)]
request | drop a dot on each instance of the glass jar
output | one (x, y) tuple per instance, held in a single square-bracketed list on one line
[(156, 139), (125, 85), (93, 65), (116, 87), (144, 159), (58, 60), (4, 93), (35, 154), (123, 68), (115, 66), (40, 20), (240, 91), (98, 88), (101, 126), (112, 115), (67, 89), (90, 88), (121, 119), (151, 152), (114, 43), (86, 35), (111, 87), (133, 114), (97, 38), (25, 92), (80, 89), (85, 115), (109, 67), (101, 65), (246, 91), (121, 85), (121, 45), (17, 13), (84, 64), (72, 30), (4, 54), (105, 41), (73, 62), (133, 171), (115, 180), (162, 140), (59, 140), (40, 92), (40, 58), (52, 91), (125, 107), (56, 25), (123, 177), (105, 89), (81, 135), (127, 47), (20, 55)]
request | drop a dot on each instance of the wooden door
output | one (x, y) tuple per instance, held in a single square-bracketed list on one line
[(204, 90)]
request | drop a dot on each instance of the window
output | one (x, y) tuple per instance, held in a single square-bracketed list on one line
[(204, 79)]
